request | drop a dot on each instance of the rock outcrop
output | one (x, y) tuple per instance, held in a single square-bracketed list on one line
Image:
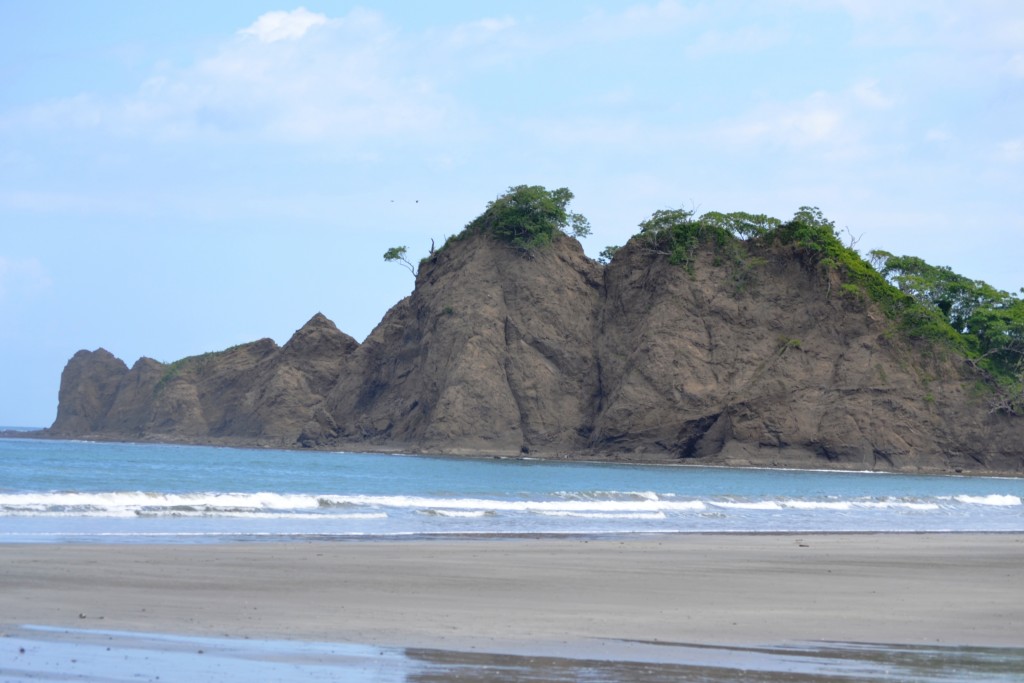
[(767, 361), (88, 388), (493, 352), (251, 393), (772, 363)]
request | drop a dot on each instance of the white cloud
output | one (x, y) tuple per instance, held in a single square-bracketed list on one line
[(905, 22), (646, 14), (1012, 150), (480, 31), (848, 123), (77, 112), (1009, 32), (353, 84), (812, 121), (592, 132), (938, 134), (22, 277), (1015, 65), (616, 97), (981, 28), (868, 94), (274, 26), (641, 19), (742, 40)]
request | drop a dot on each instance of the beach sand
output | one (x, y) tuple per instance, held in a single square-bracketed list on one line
[(579, 598), (953, 589)]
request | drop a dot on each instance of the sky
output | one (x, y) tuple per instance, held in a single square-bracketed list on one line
[(177, 178)]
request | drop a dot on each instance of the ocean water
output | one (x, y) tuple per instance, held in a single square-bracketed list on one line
[(72, 491)]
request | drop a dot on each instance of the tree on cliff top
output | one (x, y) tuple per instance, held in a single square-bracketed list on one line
[(988, 320), (530, 216), (398, 255), (527, 217)]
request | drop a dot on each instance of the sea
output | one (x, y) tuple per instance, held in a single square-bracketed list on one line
[(88, 492)]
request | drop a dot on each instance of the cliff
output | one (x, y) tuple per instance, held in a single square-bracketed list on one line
[(766, 361), (251, 393)]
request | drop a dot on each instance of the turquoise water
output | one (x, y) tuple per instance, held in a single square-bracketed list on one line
[(98, 492)]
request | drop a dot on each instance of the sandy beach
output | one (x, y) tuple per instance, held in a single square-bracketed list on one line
[(536, 595)]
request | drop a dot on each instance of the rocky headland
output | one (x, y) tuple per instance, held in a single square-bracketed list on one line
[(752, 355)]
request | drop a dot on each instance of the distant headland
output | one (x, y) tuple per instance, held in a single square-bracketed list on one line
[(725, 339)]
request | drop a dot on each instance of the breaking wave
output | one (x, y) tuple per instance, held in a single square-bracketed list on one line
[(989, 500), (593, 504)]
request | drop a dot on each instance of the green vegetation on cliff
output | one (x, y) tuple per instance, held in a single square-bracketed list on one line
[(530, 216), (398, 255), (926, 302), (988, 322), (526, 217)]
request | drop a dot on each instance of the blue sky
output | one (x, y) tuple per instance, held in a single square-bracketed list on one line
[(180, 177)]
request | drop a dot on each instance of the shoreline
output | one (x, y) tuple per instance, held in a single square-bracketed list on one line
[(546, 596), (604, 459)]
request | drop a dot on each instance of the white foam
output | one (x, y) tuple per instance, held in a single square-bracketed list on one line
[(127, 504), (755, 505), (994, 499), (140, 499), (636, 505), (605, 515), (239, 514), (465, 514), (171, 513), (608, 495), (587, 504), (896, 504), (26, 512), (816, 504)]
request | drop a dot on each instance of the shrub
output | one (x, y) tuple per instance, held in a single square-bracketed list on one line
[(530, 216)]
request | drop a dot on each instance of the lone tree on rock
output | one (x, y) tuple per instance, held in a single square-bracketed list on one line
[(530, 216), (527, 217), (397, 254)]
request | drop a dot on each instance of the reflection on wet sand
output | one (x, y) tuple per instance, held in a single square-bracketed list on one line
[(31, 653), (818, 662)]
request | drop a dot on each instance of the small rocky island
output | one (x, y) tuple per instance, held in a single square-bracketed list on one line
[(725, 339)]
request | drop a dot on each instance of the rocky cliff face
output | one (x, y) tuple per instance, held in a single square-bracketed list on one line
[(256, 392), (493, 352), (88, 387), (768, 361)]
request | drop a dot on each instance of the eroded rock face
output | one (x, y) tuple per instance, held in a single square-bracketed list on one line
[(493, 351), (770, 363), (88, 387), (764, 361), (296, 379), (256, 392)]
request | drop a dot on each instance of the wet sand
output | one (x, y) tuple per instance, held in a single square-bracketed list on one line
[(564, 597), (92, 656)]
